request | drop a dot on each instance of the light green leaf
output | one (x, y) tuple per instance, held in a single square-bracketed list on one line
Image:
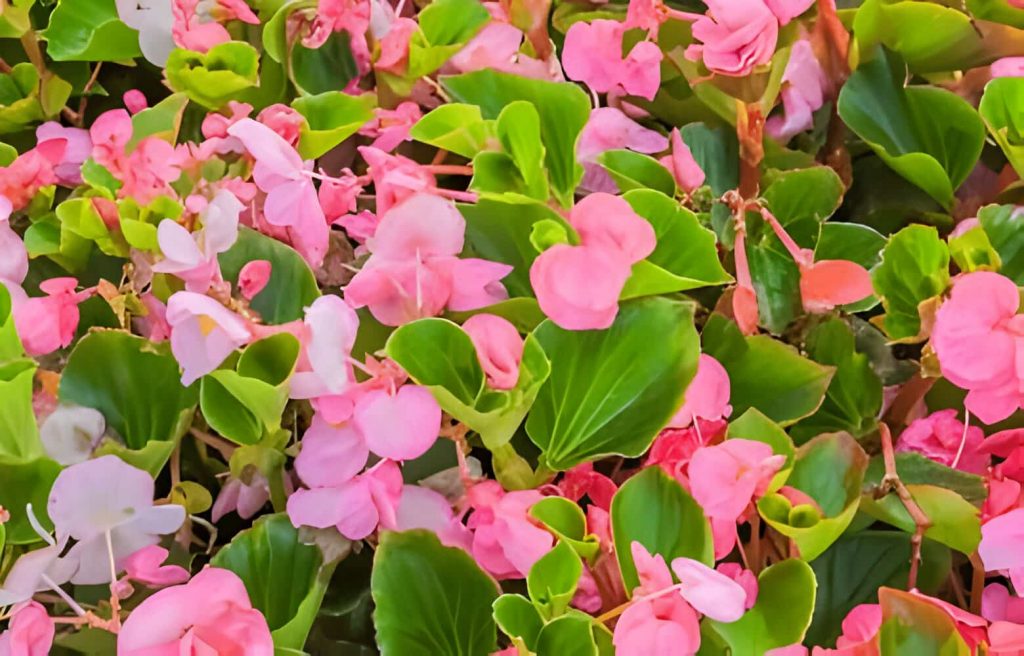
[(25, 482), (1002, 224), (631, 170), (19, 437), (566, 520), (552, 580), (455, 127), (914, 268), (89, 30), (955, 522), (216, 76), (331, 117)]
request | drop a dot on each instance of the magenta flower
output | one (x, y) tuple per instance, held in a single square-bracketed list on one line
[(77, 146), (211, 614), (944, 438), (593, 55), (253, 277), (979, 338), (203, 333), (499, 347)]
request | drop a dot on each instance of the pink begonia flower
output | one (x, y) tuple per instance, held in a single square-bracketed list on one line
[(710, 593), (31, 171), (192, 257), (351, 16), (244, 498), (30, 632), (253, 277), (47, 323), (593, 55), (1005, 639), (609, 128), (803, 92), (395, 178), (745, 578), (1007, 67), (582, 481), (674, 447), (707, 396), (356, 507), (339, 196), (203, 333), (147, 567), (78, 146), (684, 168), (497, 47), (505, 542), (390, 127), (134, 101), (291, 201), (588, 595), (1000, 550), (147, 171), (40, 569), (578, 287), (394, 48), (664, 625), (499, 348), (210, 615), (71, 432), (196, 25), (979, 339), (154, 20), (324, 366), (105, 502), (153, 326), (13, 256), (941, 437), (860, 626), (414, 270), (998, 605), (739, 35), (420, 507), (725, 478), (286, 122)]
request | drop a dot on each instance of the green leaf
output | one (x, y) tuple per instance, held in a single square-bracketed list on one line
[(89, 30), (781, 615), (331, 118), (517, 172), (19, 437), (914, 268), (571, 635), (631, 170), (998, 109), (854, 397), (802, 199), (150, 458), (327, 68), (913, 625), (162, 120), (563, 108), (20, 106), (455, 127), (285, 578), (849, 241), (765, 373), (716, 151), (686, 255), (26, 481), (431, 600), (499, 230), (440, 355), (955, 521), (609, 392), (566, 520), (552, 580), (830, 470), (141, 398), (10, 344), (291, 287), (452, 22), (776, 279), (518, 618), (1002, 225), (216, 76), (929, 136), (856, 566), (916, 469), (653, 509), (246, 404), (971, 250)]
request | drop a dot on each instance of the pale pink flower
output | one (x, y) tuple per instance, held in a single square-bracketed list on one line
[(1000, 550), (684, 168), (134, 101), (77, 148), (253, 277), (47, 323), (709, 592), (943, 438), (146, 566), (420, 507), (725, 478), (13, 256), (608, 128), (29, 633), (328, 334), (707, 395), (244, 498), (745, 578), (356, 506), (499, 348), (998, 605), (979, 340), (505, 542), (593, 55), (395, 178), (390, 127), (803, 92), (1008, 67), (210, 615), (203, 333), (192, 257)]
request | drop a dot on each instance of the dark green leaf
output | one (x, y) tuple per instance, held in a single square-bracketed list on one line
[(1002, 224), (632, 170), (89, 30)]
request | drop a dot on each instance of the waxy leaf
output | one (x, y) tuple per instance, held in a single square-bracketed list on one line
[(998, 108), (914, 268), (89, 30), (216, 76), (631, 170), (331, 118), (913, 625), (26, 482), (455, 127), (955, 521), (1002, 225)]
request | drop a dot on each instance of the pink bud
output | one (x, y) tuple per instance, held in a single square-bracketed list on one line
[(253, 278)]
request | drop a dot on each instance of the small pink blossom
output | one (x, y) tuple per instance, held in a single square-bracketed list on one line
[(394, 48), (395, 178), (31, 171), (246, 499), (356, 506), (709, 592), (505, 542), (707, 395), (725, 478), (420, 507), (390, 127), (192, 257), (1008, 67), (13, 256), (253, 277), (134, 101), (29, 633), (1000, 546), (328, 335), (203, 333), (286, 122), (998, 605), (608, 128), (147, 567), (684, 168), (47, 323), (499, 348), (803, 92), (77, 147), (979, 338), (582, 481), (593, 55), (943, 438), (211, 614)]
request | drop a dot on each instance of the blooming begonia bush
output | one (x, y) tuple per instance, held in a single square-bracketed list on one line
[(511, 328)]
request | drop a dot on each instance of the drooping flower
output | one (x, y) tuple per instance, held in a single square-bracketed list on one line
[(355, 506), (77, 146), (578, 287), (944, 438), (725, 478), (13, 255), (106, 505), (47, 323), (193, 256), (210, 615), (291, 201), (680, 162), (707, 396), (608, 128), (593, 55), (505, 542), (420, 507), (30, 632), (390, 127), (154, 20), (244, 498), (711, 593), (739, 35), (499, 348), (147, 567), (203, 333), (71, 432), (803, 92)]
